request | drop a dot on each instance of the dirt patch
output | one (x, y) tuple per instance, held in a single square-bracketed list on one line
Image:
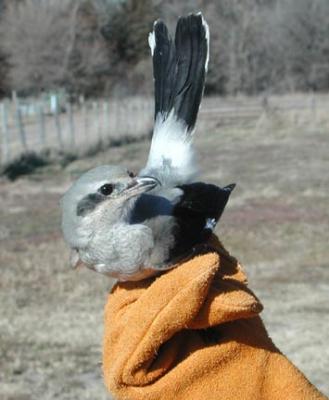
[(273, 212)]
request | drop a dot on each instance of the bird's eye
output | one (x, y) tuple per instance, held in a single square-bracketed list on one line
[(106, 189), (131, 174)]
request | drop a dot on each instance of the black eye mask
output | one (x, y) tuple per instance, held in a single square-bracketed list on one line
[(89, 203)]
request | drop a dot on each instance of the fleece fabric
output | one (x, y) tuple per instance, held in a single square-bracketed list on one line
[(194, 333)]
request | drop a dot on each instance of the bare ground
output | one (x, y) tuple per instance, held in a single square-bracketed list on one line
[(276, 224)]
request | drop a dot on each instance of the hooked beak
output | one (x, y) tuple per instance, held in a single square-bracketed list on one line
[(141, 184)]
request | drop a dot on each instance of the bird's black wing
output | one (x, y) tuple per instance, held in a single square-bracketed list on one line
[(196, 214)]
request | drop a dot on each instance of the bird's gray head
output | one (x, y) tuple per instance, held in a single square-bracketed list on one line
[(101, 196)]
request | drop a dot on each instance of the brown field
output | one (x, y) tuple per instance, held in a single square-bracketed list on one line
[(276, 224)]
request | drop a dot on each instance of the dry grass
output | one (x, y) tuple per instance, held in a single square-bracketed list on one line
[(276, 224)]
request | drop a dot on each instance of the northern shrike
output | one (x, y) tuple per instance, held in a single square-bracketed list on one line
[(130, 227)]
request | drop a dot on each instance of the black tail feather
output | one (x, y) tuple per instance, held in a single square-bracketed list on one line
[(180, 68), (192, 52), (164, 68)]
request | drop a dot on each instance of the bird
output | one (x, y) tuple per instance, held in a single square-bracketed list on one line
[(131, 227)]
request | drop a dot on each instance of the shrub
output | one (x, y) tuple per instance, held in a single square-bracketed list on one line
[(25, 164)]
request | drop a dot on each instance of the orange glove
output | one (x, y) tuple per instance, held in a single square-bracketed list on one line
[(194, 333)]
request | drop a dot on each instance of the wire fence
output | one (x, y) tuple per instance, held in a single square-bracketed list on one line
[(54, 123)]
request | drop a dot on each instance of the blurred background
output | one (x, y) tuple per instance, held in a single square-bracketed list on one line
[(76, 91)]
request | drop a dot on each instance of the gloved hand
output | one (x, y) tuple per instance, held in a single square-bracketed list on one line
[(195, 333)]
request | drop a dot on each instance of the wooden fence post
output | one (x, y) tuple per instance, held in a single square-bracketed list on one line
[(106, 120), (114, 118), (132, 120), (120, 123), (83, 105), (19, 122), (71, 123), (5, 134), (58, 123), (97, 120), (14, 96), (42, 126)]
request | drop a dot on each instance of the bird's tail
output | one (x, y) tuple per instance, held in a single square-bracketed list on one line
[(180, 68)]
